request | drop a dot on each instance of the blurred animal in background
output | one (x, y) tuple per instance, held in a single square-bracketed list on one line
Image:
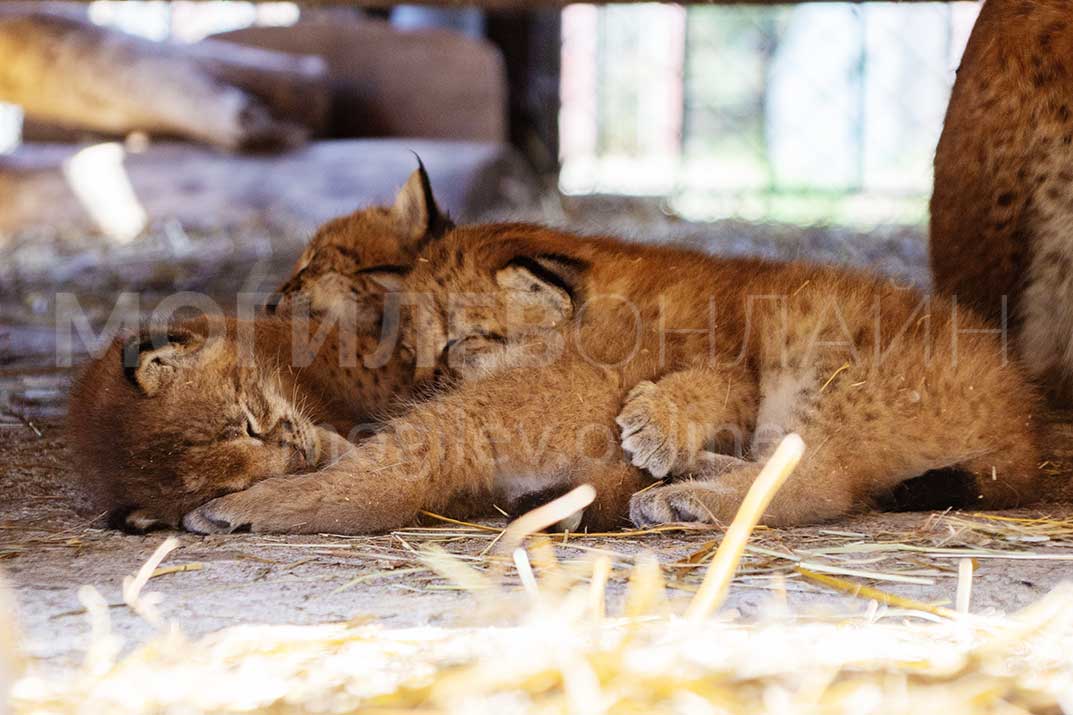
[(1002, 209)]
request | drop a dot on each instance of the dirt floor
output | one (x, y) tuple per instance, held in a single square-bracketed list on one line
[(49, 551), (49, 547)]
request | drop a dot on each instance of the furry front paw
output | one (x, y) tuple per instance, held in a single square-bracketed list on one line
[(675, 503), (267, 507), (224, 515), (654, 432)]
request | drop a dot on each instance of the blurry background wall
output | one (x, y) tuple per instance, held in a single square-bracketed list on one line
[(825, 112)]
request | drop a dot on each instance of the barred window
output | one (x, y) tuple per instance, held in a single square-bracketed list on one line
[(824, 112)]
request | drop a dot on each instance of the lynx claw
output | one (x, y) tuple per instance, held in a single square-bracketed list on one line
[(635, 412), (197, 523), (648, 450)]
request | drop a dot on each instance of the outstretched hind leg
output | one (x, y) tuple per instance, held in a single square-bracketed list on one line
[(816, 492), (825, 487)]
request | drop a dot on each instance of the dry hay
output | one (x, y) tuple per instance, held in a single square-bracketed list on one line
[(545, 643), (562, 657)]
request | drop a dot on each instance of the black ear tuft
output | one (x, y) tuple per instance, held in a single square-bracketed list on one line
[(439, 222), (570, 266), (133, 348)]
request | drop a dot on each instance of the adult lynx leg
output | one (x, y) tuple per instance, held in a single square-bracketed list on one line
[(667, 424), (1046, 336), (471, 442)]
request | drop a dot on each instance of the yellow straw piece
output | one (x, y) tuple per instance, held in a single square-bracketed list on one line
[(964, 593), (181, 568), (525, 573), (601, 571), (459, 522), (646, 588), (716, 584), (835, 374), (548, 515), (874, 594)]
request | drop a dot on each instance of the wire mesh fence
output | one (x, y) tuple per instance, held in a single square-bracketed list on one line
[(825, 112)]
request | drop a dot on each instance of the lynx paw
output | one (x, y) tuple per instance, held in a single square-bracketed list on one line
[(676, 503), (653, 432), (211, 519), (263, 508)]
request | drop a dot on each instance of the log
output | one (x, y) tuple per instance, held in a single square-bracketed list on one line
[(294, 86), (87, 78), (54, 189)]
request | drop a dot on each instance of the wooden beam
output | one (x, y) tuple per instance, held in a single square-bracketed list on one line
[(529, 42), (89, 78)]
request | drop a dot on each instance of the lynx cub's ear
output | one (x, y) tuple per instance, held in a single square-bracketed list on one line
[(415, 211), (152, 358), (549, 280)]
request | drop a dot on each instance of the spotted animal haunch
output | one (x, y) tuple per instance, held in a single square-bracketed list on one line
[(1002, 210)]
